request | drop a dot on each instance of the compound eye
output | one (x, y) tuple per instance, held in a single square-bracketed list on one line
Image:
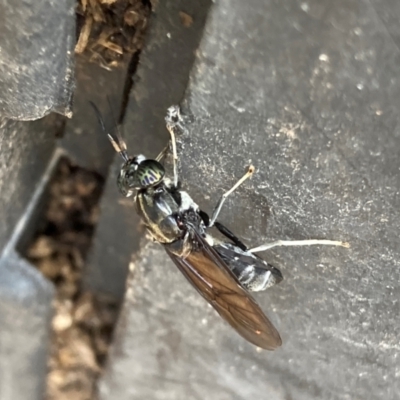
[(150, 173), (135, 176), (127, 179)]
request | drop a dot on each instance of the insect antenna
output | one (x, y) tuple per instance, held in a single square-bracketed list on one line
[(118, 142), (118, 134)]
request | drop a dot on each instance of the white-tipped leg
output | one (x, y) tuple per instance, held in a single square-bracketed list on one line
[(309, 242), (221, 201), (174, 155), (173, 120)]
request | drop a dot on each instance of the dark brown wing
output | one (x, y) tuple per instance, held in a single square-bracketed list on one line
[(207, 272)]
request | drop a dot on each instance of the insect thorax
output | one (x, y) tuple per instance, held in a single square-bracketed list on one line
[(160, 208)]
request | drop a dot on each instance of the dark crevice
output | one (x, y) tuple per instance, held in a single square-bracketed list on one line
[(83, 321), (59, 236), (128, 85)]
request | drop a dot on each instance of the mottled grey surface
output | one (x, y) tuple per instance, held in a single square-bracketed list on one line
[(25, 151), (37, 40), (83, 139), (25, 296), (308, 92), (25, 314)]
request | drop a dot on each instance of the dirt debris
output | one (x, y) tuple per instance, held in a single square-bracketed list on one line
[(83, 322), (110, 31)]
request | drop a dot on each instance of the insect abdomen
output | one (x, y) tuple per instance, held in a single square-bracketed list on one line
[(253, 273)]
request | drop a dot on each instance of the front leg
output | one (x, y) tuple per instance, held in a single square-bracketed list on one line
[(173, 121)]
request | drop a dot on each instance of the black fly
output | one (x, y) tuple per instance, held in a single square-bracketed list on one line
[(223, 272)]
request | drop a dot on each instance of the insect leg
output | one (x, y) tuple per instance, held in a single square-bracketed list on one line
[(230, 235), (221, 201), (162, 154), (309, 242), (172, 120)]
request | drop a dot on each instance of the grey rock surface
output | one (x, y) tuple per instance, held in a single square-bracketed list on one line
[(83, 139), (37, 40), (308, 93), (26, 149), (25, 295), (25, 314)]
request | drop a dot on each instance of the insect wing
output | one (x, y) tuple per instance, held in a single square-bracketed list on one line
[(208, 273)]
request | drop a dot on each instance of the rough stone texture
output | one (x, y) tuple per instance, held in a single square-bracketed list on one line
[(26, 148), (308, 92), (161, 79), (25, 296), (83, 139), (36, 60), (25, 314)]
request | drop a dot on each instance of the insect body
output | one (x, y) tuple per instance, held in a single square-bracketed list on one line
[(223, 272)]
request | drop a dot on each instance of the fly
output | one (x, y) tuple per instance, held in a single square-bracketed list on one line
[(224, 272)]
